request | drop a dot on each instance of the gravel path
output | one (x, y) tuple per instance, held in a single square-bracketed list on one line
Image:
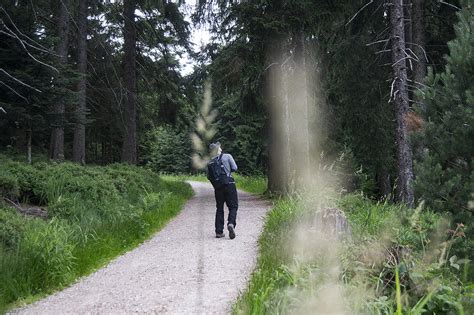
[(183, 269)]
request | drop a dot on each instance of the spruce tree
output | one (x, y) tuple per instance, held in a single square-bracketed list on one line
[(445, 176)]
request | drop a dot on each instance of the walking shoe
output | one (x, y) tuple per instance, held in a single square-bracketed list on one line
[(230, 227), (220, 235)]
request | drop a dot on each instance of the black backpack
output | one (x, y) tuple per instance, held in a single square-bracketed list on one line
[(216, 172)]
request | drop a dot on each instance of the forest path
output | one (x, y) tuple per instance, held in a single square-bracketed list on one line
[(183, 269)]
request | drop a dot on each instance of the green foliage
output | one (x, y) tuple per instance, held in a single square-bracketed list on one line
[(271, 272), (385, 238), (252, 184), (445, 173), (94, 214), (9, 186), (167, 150), (11, 227), (240, 133)]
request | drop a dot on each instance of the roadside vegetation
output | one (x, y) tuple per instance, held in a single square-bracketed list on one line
[(256, 184), (62, 221), (394, 259)]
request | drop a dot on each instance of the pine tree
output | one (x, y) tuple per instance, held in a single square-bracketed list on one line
[(79, 141), (446, 175), (400, 100), (57, 133), (129, 147)]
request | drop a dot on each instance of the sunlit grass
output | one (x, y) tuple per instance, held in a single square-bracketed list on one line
[(256, 184), (96, 214)]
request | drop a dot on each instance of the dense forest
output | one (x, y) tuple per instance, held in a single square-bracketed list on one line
[(378, 93)]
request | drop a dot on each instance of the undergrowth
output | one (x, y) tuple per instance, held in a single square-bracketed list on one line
[(253, 184), (394, 259), (94, 214)]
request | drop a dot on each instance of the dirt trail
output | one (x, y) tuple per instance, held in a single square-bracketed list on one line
[(183, 269)]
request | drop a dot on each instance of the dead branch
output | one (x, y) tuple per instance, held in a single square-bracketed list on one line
[(14, 91), (421, 47), (391, 88), (27, 51), (450, 5), (19, 81), (379, 41), (411, 54), (360, 10), (417, 83), (382, 51), (40, 47), (269, 66), (13, 204), (402, 59)]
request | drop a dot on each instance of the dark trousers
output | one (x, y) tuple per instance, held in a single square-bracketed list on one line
[(228, 194)]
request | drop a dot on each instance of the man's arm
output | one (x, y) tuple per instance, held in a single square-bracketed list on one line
[(233, 165)]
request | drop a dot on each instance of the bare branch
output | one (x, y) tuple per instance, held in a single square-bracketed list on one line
[(40, 47), (269, 66), (421, 47), (382, 51), (450, 5), (19, 81), (14, 204), (27, 51), (14, 91), (286, 60), (391, 88), (379, 41), (418, 83), (404, 58), (360, 10), (412, 54)]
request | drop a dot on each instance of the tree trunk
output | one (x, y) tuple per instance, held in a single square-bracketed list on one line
[(285, 127), (400, 100), (129, 147), (79, 142), (57, 136), (383, 181), (273, 83), (28, 144), (301, 113), (418, 38)]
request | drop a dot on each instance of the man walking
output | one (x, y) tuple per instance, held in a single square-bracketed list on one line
[(224, 191)]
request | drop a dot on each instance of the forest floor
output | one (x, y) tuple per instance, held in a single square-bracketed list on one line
[(182, 269)]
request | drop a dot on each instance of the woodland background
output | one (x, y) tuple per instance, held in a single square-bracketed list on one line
[(391, 82)]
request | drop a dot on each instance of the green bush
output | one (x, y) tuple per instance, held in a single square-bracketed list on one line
[(47, 248), (167, 150), (445, 172), (11, 227), (94, 213), (9, 187), (420, 243)]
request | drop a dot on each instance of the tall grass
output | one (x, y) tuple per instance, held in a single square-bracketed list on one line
[(393, 262), (95, 214)]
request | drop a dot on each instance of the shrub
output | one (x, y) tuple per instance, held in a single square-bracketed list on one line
[(47, 250), (11, 227), (167, 150), (95, 213), (446, 174), (9, 187)]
